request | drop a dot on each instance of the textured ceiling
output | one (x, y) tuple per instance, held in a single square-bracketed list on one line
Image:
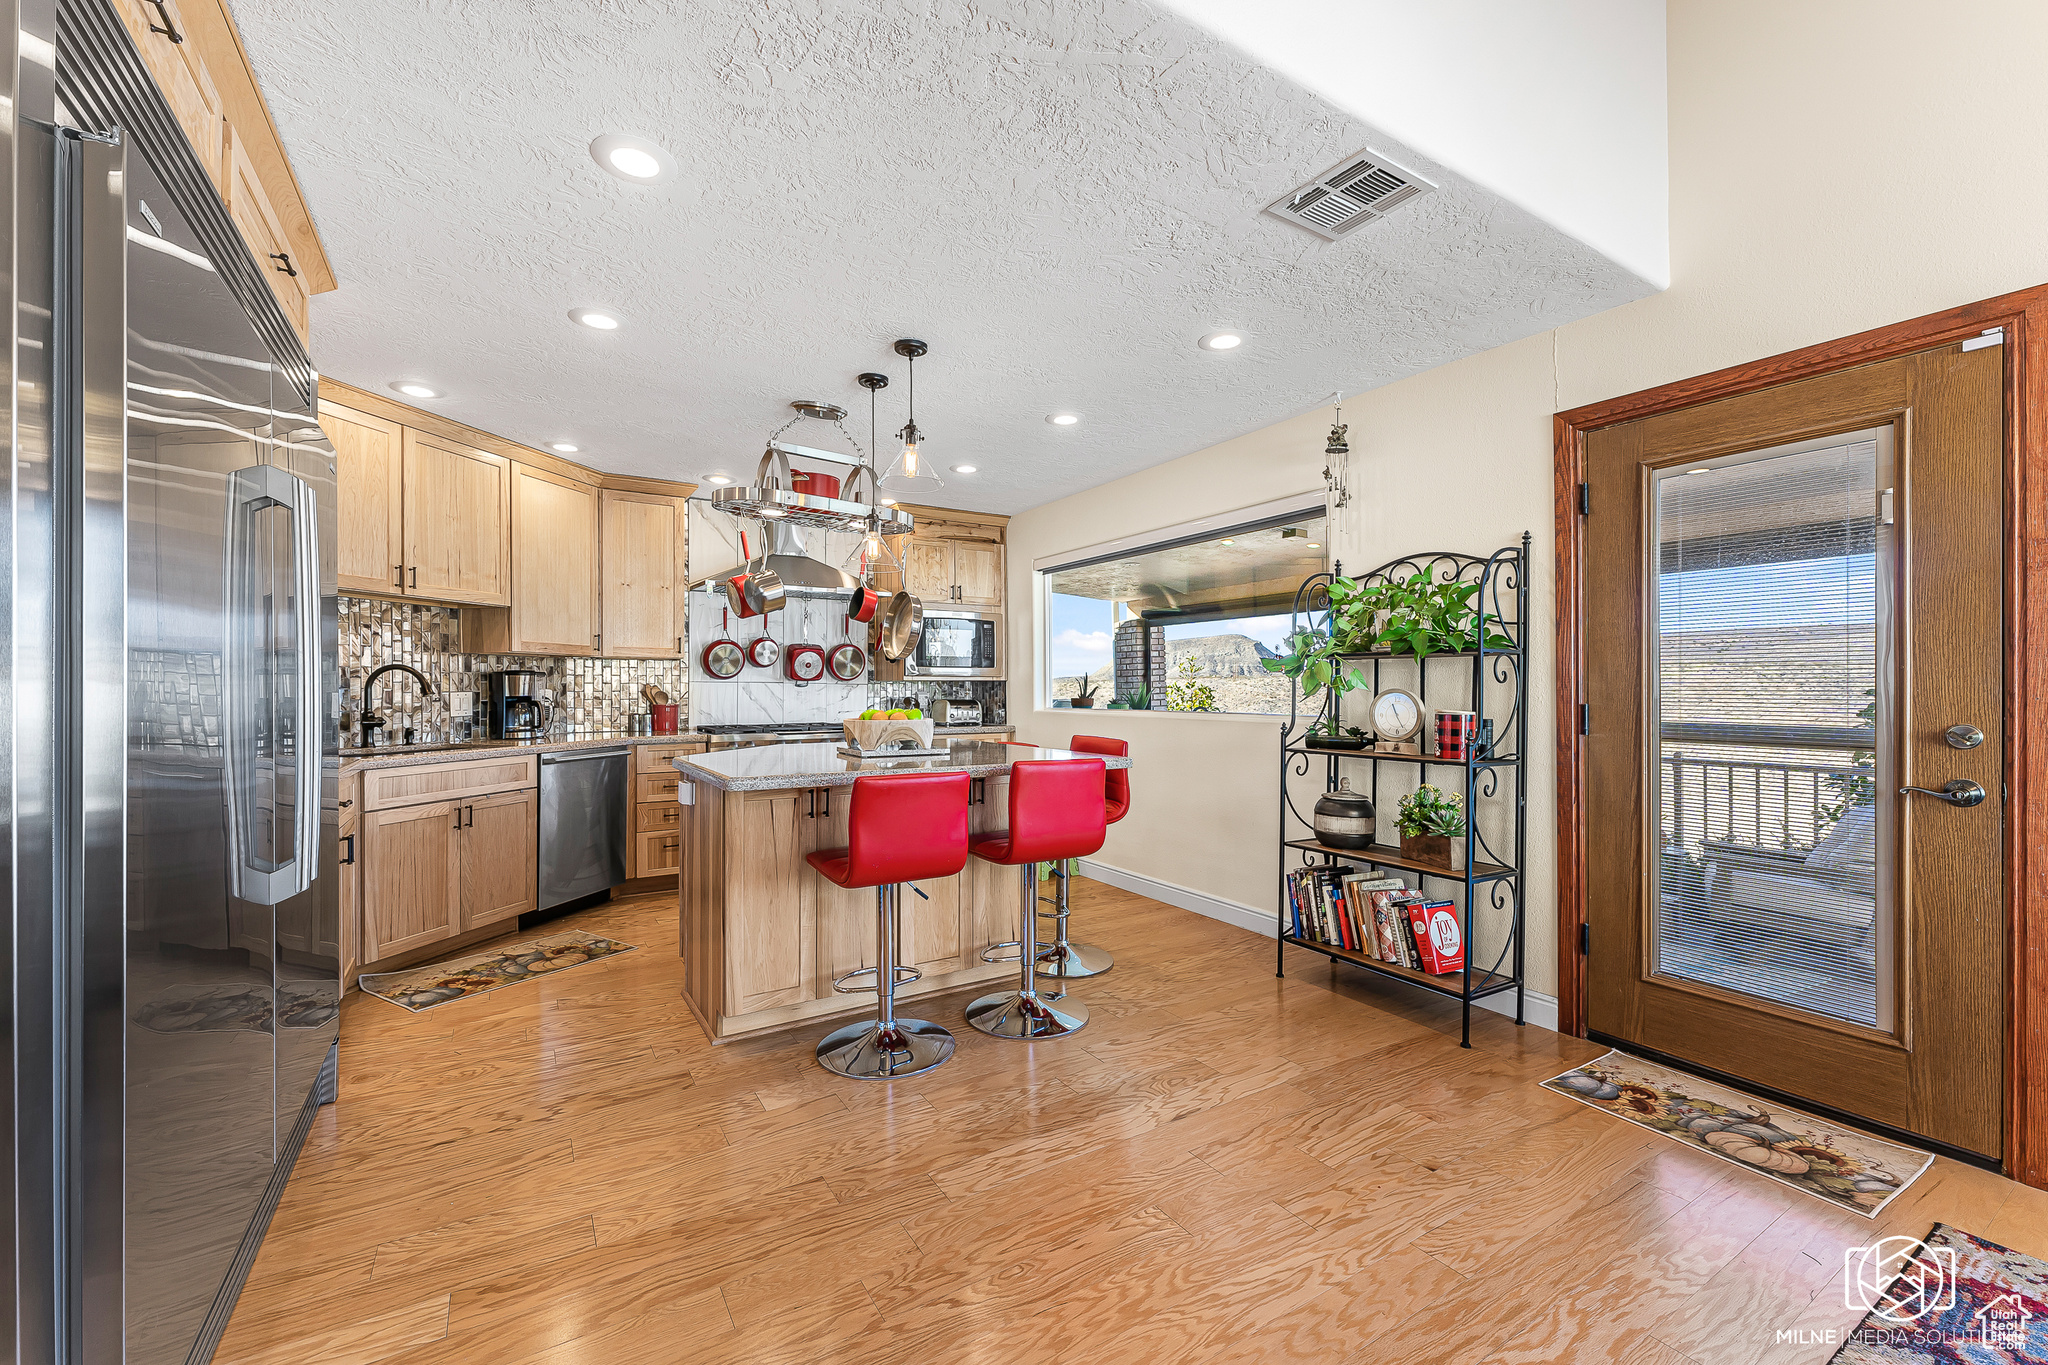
[(1059, 198)]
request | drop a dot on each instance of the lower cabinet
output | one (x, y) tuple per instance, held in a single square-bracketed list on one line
[(769, 939), (657, 816), (441, 868)]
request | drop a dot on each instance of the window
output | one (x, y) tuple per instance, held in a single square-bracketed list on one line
[(1183, 622)]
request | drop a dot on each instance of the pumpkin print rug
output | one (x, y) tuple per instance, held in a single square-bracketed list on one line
[(1859, 1172), (422, 988)]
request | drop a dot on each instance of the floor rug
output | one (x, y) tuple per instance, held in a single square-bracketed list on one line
[(1854, 1170), (422, 988), (1955, 1298)]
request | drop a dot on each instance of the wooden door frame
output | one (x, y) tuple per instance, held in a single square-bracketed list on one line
[(2024, 317)]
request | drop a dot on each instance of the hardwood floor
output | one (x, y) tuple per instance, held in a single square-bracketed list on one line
[(1222, 1167)]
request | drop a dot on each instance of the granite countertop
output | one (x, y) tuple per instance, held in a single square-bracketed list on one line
[(353, 760), (783, 767)]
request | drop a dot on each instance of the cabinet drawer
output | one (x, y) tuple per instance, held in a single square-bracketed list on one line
[(656, 786), (657, 854), (657, 815), (659, 758), (386, 787)]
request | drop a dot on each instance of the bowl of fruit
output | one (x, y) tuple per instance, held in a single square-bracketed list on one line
[(882, 729)]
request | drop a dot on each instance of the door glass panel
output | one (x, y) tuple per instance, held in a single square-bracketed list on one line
[(1771, 636)]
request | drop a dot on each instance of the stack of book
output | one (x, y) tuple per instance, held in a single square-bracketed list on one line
[(1375, 916)]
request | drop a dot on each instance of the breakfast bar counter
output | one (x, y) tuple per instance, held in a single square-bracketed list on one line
[(763, 935)]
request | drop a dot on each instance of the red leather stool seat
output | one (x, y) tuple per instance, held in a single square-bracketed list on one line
[(1056, 811), (903, 827), (1116, 789)]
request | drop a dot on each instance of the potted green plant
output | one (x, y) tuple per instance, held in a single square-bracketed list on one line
[(1432, 825), (1313, 660), (1415, 615), (1084, 693), (1141, 700)]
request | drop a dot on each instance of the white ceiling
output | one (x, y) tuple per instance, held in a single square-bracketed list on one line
[(1059, 199)]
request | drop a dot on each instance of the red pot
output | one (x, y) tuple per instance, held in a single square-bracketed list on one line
[(863, 604), (804, 663), (815, 484)]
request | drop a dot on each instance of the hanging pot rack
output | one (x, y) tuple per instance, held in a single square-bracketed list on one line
[(772, 495)]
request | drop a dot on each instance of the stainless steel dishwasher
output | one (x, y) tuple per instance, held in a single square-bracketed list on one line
[(586, 807)]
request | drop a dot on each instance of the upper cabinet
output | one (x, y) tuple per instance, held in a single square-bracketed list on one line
[(570, 560), (952, 557), (249, 205), (458, 512), (191, 49), (643, 574), (369, 551), (554, 571)]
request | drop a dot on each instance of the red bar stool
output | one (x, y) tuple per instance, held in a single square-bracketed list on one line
[(1056, 811), (902, 827), (1065, 961)]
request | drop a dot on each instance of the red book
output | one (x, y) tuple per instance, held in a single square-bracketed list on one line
[(1438, 937)]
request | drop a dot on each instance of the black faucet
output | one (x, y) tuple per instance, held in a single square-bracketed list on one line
[(369, 721)]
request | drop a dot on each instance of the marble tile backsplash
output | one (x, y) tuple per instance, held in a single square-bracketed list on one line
[(592, 694)]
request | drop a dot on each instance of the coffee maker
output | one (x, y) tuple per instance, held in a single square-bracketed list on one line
[(515, 710)]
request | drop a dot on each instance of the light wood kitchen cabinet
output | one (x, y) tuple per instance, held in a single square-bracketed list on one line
[(644, 575), (657, 853), (657, 818), (350, 866), (769, 917), (928, 569), (443, 849), (369, 548), (458, 513), (249, 205), (496, 848), (554, 608), (949, 561), (411, 878), (977, 573), (187, 85)]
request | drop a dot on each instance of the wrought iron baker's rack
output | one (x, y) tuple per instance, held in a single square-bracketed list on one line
[(1495, 777)]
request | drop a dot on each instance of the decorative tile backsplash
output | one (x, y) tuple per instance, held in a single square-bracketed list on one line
[(592, 694)]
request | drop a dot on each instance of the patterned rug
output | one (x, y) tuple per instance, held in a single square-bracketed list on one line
[(1854, 1170), (422, 988), (1954, 1298)]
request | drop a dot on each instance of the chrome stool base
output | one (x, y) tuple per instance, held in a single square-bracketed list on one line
[(1014, 1014), (863, 1052), (1072, 961)]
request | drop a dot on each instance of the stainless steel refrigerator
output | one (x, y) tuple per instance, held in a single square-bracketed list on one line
[(171, 941)]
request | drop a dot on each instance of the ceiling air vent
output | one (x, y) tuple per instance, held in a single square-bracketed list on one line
[(1357, 190)]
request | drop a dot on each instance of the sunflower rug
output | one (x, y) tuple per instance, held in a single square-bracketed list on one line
[(1847, 1168), (422, 988)]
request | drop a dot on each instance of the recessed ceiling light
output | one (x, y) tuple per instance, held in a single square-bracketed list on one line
[(716, 478), (963, 469), (1064, 419), (888, 502), (632, 158), (1315, 545), (564, 447), (1226, 542), (1221, 341), (412, 388), (590, 317)]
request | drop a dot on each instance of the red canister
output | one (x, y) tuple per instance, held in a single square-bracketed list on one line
[(667, 717)]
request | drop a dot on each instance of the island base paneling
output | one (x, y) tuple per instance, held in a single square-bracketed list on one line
[(763, 935)]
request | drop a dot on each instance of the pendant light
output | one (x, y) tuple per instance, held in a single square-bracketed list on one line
[(910, 350), (873, 382)]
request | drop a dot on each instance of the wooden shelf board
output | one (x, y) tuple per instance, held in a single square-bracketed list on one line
[(1425, 760), (1383, 855), (1450, 983)]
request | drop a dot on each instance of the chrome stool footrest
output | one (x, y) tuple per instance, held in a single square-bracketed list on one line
[(904, 976), (994, 952)]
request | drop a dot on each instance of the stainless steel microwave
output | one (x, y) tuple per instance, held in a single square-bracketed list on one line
[(958, 644)]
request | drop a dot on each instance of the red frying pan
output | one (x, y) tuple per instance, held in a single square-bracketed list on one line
[(723, 657)]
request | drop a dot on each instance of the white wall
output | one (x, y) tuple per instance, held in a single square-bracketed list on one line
[(1557, 106), (1834, 167)]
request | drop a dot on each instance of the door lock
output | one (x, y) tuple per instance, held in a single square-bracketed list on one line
[(1963, 736), (1958, 792)]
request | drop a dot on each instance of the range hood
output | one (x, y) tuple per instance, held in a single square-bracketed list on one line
[(787, 557)]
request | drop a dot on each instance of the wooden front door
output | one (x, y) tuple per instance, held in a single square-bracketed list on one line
[(1793, 610)]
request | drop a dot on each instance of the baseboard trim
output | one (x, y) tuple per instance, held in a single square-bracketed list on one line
[(1537, 1008)]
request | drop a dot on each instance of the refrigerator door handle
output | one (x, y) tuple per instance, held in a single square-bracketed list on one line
[(260, 874)]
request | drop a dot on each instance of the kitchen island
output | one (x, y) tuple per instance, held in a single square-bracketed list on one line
[(763, 935)]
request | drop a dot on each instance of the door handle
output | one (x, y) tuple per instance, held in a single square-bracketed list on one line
[(469, 815), (415, 576), (350, 840), (1959, 792), (401, 575)]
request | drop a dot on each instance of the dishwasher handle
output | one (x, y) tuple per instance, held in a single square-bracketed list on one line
[(585, 755)]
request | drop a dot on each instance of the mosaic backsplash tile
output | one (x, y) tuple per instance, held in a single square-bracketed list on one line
[(591, 694)]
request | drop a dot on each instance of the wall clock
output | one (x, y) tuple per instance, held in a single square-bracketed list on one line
[(1396, 721)]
